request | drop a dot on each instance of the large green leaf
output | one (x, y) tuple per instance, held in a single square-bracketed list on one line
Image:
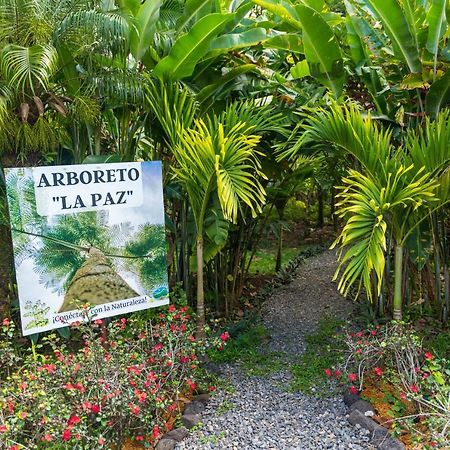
[(233, 41), (220, 83), (439, 95), (290, 42), (437, 25), (398, 29), (320, 45), (144, 27), (322, 50), (191, 47), (192, 10)]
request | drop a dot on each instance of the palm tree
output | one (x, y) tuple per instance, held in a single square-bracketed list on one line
[(389, 192), (58, 61), (214, 163)]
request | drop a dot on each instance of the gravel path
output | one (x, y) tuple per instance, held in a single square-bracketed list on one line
[(258, 413)]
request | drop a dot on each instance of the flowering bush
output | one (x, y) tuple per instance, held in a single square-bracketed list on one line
[(410, 385), (124, 381)]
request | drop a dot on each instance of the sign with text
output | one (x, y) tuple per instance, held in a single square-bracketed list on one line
[(87, 237)]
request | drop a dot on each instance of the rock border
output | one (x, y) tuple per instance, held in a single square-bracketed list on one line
[(191, 417), (360, 412)]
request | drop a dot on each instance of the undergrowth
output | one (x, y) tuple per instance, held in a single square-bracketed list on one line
[(322, 351)]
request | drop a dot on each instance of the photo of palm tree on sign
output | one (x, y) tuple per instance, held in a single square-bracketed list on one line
[(97, 257)]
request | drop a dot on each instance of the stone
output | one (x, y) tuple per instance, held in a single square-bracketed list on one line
[(363, 406), (166, 444), (202, 398), (356, 417), (384, 441), (190, 420), (178, 434), (350, 398), (193, 408)]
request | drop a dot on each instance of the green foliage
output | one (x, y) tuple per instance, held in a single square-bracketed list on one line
[(263, 262), (245, 347), (322, 352)]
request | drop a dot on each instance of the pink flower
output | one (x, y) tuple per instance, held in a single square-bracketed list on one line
[(428, 356), (413, 388), (101, 441), (47, 438), (425, 375), (327, 372), (353, 390), (378, 371), (359, 334), (352, 377), (373, 333), (337, 373), (6, 322), (3, 428)]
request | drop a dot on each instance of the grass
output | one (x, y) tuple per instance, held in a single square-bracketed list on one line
[(248, 337), (322, 352), (264, 261)]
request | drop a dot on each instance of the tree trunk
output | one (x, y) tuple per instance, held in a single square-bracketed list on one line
[(279, 249), (200, 290), (320, 219), (398, 272)]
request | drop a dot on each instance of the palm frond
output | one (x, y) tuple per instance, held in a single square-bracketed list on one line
[(26, 68), (347, 129)]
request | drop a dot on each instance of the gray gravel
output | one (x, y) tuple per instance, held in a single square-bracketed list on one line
[(258, 413)]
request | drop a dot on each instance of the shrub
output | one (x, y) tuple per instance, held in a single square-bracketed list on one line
[(125, 381)]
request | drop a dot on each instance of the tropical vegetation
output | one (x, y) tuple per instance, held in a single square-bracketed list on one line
[(266, 114)]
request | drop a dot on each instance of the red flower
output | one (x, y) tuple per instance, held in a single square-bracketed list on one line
[(156, 432), (139, 438), (428, 355), (14, 447), (337, 373), (373, 333), (353, 390), (359, 334), (378, 371), (402, 395), (172, 308), (327, 372), (74, 420), (191, 384), (211, 388), (134, 408), (352, 377), (425, 375), (50, 368), (225, 336), (95, 409), (3, 428), (66, 435), (414, 388)]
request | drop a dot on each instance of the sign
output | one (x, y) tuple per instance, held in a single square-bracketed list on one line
[(87, 236)]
